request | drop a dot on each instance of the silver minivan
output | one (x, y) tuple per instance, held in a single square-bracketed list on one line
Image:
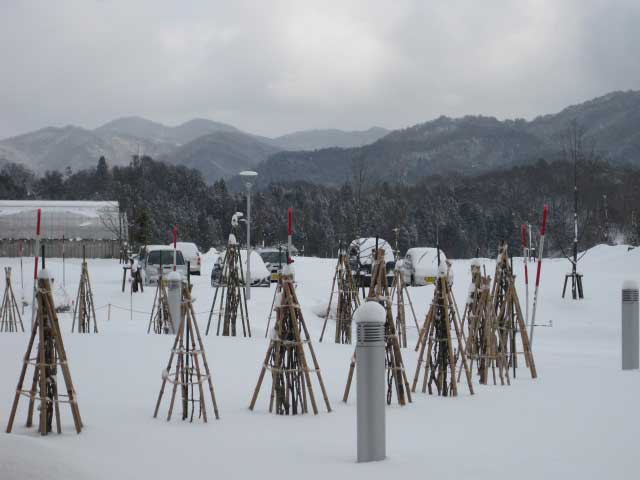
[(153, 258)]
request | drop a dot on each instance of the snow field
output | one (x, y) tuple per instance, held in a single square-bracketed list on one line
[(579, 418)]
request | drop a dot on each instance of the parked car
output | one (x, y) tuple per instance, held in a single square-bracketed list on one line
[(260, 276), (153, 258), (192, 255), (361, 251), (274, 260), (420, 265)]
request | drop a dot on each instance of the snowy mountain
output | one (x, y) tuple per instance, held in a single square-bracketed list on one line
[(56, 148), (471, 145), (221, 154), (149, 130), (467, 145), (315, 139), (217, 149)]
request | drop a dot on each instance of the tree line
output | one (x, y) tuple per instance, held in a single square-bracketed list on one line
[(467, 215)]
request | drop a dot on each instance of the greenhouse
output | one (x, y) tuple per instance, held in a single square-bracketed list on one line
[(66, 226)]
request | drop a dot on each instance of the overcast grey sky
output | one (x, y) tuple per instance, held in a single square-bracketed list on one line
[(271, 67)]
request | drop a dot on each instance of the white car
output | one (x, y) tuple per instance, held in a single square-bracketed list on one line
[(260, 275), (192, 255), (153, 258), (420, 265)]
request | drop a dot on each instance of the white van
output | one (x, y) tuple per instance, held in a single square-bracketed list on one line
[(191, 254), (361, 252), (420, 265), (153, 258)]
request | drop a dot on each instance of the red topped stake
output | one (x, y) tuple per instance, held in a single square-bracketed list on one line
[(545, 213)]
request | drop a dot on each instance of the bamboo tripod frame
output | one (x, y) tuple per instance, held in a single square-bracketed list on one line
[(84, 311), (10, 318), (471, 308), (187, 375), (232, 296), (482, 342), (291, 388), (509, 318), (399, 291), (347, 300), (396, 375), (160, 318), (436, 339), (51, 355)]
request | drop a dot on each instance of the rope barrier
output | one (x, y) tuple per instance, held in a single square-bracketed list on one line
[(128, 309)]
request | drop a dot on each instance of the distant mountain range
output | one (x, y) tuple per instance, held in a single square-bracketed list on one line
[(468, 145), (316, 139), (216, 149), (56, 148)]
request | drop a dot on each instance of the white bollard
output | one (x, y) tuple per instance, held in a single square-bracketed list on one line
[(370, 374), (630, 326), (174, 298)]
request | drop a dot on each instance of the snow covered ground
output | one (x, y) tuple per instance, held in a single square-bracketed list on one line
[(579, 419)]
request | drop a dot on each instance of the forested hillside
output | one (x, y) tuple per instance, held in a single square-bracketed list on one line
[(469, 213), (472, 145)]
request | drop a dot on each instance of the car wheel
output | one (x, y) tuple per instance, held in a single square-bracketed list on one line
[(413, 281)]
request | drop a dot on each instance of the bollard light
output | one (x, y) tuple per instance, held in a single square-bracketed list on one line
[(630, 326), (370, 374)]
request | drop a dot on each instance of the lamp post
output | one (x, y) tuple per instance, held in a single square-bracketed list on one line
[(249, 178)]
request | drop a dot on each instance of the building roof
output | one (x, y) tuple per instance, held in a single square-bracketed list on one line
[(71, 219)]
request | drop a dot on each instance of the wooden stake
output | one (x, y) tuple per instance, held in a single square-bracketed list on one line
[(347, 298), (51, 354), (10, 318), (84, 312), (436, 337), (286, 359), (396, 376), (231, 294), (188, 349)]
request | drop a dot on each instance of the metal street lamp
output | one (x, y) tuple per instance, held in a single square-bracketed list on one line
[(249, 178)]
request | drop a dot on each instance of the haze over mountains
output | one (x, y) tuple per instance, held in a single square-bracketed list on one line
[(468, 145)]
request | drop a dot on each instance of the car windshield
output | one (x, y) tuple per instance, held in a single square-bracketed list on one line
[(167, 257), (273, 257)]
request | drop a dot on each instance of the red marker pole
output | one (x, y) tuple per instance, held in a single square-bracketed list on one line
[(525, 260), (535, 295), (35, 268), (175, 240), (289, 232)]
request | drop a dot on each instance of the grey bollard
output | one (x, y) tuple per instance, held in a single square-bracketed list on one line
[(630, 326), (174, 298), (370, 374)]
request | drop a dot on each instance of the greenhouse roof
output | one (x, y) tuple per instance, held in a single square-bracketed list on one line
[(69, 219)]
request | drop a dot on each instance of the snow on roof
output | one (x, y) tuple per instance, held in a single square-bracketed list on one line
[(150, 248), (367, 246), (71, 219)]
